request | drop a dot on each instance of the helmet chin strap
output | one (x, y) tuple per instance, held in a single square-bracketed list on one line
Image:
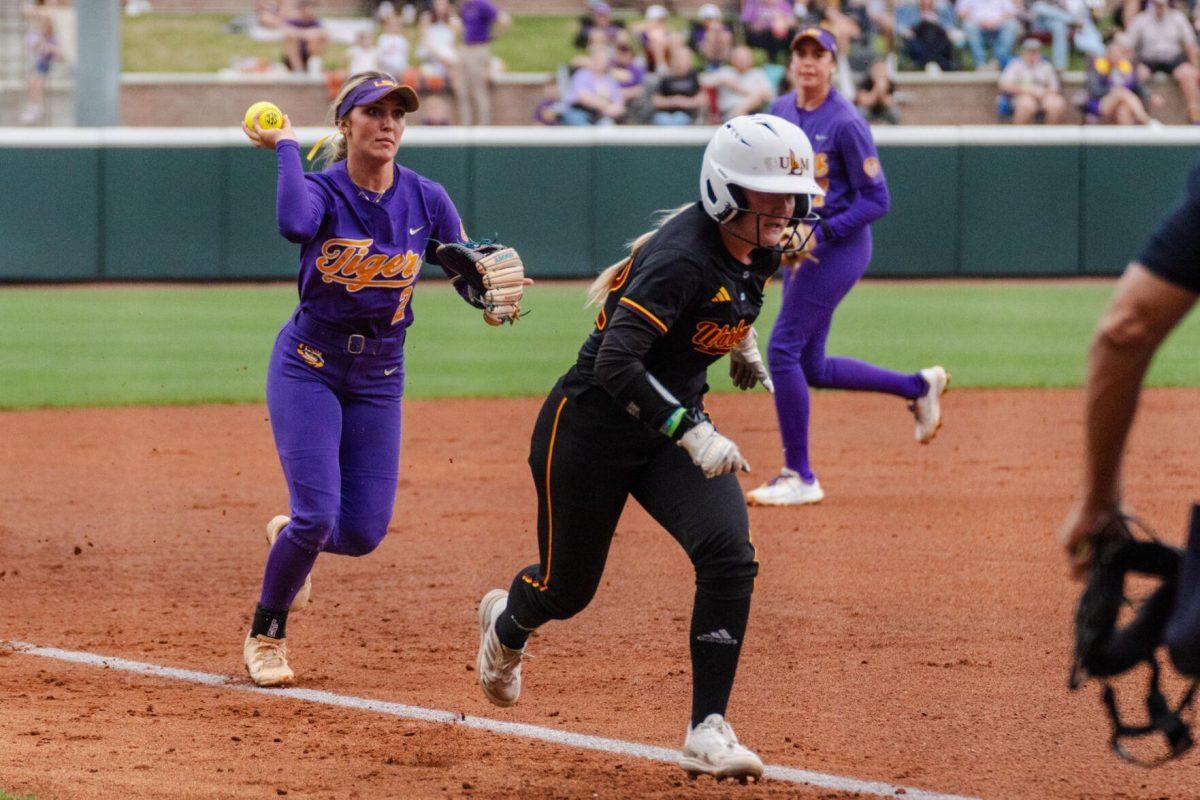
[(793, 244)]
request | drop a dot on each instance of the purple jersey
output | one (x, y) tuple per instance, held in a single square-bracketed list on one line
[(360, 258), (477, 17), (847, 164)]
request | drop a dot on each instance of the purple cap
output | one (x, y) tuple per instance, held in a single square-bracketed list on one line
[(374, 89), (819, 35), (602, 8)]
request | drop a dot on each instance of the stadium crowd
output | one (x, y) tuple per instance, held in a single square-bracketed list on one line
[(654, 64), (723, 62)]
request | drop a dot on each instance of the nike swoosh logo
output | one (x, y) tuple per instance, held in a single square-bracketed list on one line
[(415, 231), (390, 371), (820, 137)]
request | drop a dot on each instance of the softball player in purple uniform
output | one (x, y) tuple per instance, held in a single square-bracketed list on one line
[(336, 374), (847, 168), (627, 419)]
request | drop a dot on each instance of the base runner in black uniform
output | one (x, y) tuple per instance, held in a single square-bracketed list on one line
[(627, 420)]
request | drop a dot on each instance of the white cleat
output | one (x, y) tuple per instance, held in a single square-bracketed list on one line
[(711, 748), (266, 661), (499, 667), (928, 408), (786, 489), (276, 525)]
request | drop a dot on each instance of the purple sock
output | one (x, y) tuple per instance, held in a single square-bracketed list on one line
[(287, 566), (839, 372)]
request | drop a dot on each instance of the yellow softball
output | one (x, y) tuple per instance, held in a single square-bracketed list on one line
[(269, 115)]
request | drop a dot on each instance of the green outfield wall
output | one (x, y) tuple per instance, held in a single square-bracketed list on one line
[(137, 204)]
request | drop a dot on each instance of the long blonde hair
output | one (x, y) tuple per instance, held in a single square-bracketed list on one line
[(332, 149), (600, 287)]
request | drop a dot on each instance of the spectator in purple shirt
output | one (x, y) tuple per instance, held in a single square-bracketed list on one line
[(594, 96), (632, 78), (304, 39), (479, 18), (598, 26), (769, 26)]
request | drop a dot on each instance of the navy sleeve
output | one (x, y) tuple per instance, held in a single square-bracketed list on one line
[(1173, 252)]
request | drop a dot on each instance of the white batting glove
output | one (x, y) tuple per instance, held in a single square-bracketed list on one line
[(713, 453), (746, 366)]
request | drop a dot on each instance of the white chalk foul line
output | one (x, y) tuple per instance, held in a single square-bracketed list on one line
[(525, 731)]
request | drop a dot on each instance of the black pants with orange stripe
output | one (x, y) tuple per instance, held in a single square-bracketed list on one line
[(588, 457)]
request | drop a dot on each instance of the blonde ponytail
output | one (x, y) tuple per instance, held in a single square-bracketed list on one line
[(332, 149), (603, 283)]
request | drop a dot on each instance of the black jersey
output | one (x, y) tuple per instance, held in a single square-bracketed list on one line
[(1173, 252), (681, 304)]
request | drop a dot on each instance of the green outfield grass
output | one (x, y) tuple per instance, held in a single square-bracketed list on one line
[(102, 345), (204, 43), (4, 796)]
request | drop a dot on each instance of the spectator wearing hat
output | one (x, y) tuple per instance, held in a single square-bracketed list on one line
[(1164, 41), (656, 38), (1115, 91), (769, 25), (741, 87), (594, 96), (989, 24), (1032, 87), (598, 26), (678, 99), (711, 37), (480, 19)]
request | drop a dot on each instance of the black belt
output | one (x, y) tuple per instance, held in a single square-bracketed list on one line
[(339, 341)]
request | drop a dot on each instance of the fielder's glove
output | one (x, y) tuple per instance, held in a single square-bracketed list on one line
[(746, 366), (713, 453), (803, 237), (494, 274)]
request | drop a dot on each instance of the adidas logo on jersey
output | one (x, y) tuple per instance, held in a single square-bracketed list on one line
[(717, 637), (722, 296)]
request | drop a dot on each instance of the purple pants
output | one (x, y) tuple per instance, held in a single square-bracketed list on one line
[(796, 354), (334, 403)]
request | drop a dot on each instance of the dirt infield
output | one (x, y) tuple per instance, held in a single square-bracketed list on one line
[(913, 629)]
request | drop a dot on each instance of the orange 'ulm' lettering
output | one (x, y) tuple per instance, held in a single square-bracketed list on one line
[(717, 340)]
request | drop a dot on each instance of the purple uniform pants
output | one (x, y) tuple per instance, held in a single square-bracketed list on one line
[(796, 354), (334, 402)]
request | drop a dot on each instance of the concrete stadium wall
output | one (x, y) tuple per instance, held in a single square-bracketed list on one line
[(204, 99), (164, 204)]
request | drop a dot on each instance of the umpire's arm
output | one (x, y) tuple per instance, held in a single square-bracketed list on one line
[(1144, 309)]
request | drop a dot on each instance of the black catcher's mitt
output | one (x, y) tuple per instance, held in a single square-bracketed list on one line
[(1104, 650)]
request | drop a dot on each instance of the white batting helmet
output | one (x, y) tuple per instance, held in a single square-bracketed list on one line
[(760, 152)]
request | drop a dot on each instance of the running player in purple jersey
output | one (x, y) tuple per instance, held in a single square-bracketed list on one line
[(847, 168), (336, 374)]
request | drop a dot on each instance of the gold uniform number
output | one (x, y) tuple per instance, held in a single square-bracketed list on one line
[(822, 171)]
